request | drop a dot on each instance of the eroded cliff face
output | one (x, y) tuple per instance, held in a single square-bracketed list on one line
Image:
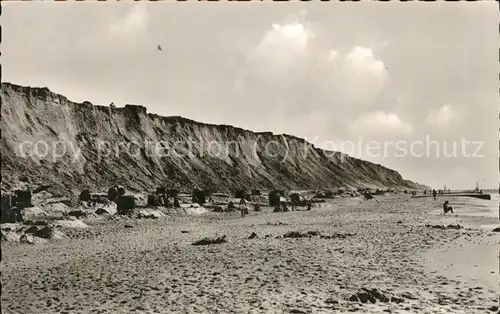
[(47, 139)]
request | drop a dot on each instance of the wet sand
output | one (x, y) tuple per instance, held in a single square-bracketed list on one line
[(469, 260), (474, 258), (382, 244)]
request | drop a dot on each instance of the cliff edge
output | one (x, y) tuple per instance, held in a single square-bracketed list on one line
[(48, 139)]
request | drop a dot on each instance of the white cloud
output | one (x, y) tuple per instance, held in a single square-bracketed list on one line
[(380, 122), (283, 43), (442, 117), (308, 88), (362, 59), (332, 55), (357, 78), (129, 31), (281, 55), (290, 37), (134, 22), (288, 63)]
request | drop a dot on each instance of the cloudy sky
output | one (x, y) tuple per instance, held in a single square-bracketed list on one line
[(399, 84)]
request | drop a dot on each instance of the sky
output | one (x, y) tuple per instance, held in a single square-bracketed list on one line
[(411, 86)]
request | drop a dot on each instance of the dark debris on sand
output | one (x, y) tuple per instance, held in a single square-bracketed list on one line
[(253, 236), (209, 241), (373, 295), (311, 234), (444, 227)]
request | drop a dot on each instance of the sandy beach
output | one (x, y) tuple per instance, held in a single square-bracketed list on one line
[(380, 256)]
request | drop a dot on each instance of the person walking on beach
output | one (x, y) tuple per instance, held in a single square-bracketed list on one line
[(243, 208), (434, 194), (447, 208)]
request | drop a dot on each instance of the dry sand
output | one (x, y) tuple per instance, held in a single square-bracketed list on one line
[(153, 268)]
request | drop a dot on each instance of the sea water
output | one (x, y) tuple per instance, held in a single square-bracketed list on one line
[(469, 206), (486, 210)]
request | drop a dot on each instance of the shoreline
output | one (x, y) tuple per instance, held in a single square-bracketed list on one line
[(473, 256)]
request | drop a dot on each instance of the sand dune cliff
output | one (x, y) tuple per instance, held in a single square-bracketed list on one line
[(99, 146)]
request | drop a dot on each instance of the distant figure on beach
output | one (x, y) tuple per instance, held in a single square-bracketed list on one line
[(243, 207), (295, 200), (447, 208), (434, 193)]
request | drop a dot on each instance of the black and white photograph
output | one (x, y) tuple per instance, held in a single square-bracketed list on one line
[(250, 157)]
